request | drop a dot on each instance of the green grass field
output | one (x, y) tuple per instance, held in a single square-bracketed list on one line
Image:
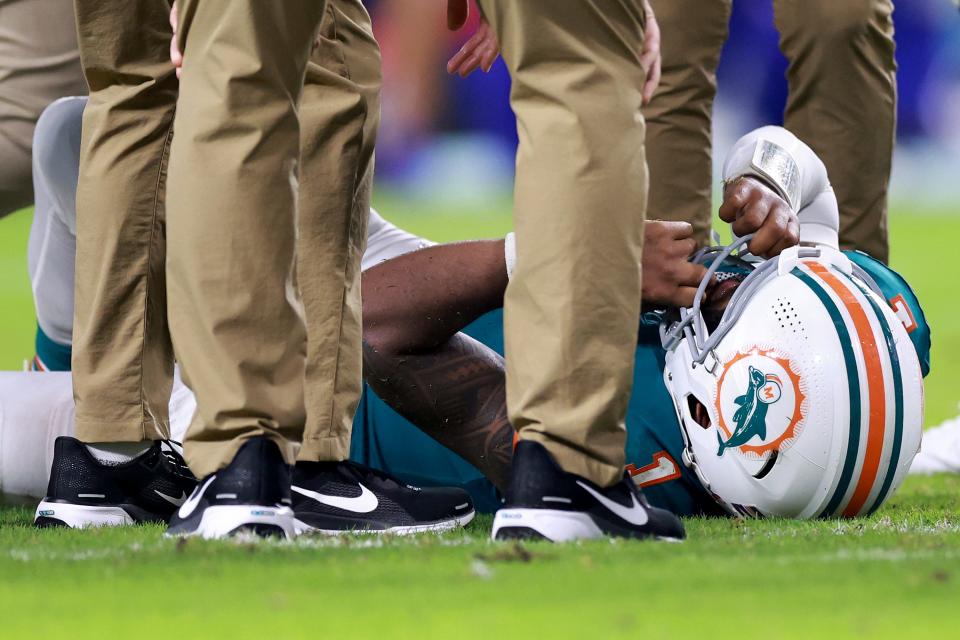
[(892, 575)]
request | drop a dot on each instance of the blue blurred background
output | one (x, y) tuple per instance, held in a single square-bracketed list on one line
[(452, 140)]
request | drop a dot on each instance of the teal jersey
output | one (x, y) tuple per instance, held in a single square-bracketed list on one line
[(383, 439), (902, 300)]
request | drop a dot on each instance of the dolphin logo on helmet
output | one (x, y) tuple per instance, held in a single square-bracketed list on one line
[(751, 416)]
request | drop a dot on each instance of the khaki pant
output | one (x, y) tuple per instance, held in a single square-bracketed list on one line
[(339, 118), (39, 63), (236, 317), (572, 307), (842, 102)]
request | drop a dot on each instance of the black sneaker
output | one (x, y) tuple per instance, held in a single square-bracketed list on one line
[(340, 497), (546, 502), (251, 494), (84, 492)]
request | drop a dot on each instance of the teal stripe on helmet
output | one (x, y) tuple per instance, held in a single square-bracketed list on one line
[(853, 386), (898, 399)]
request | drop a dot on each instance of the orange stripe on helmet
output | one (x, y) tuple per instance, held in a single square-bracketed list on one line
[(875, 385)]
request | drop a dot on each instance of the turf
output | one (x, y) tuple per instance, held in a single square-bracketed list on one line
[(893, 574)]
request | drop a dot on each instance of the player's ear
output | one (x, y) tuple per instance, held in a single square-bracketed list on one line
[(457, 13)]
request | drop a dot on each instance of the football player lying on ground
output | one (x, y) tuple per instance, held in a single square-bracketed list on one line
[(452, 386), (52, 251), (791, 387)]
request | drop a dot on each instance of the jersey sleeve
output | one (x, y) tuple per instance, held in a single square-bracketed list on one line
[(386, 241), (902, 300)]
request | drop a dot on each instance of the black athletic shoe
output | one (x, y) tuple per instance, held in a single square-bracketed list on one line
[(83, 492), (251, 494), (544, 501), (339, 497)]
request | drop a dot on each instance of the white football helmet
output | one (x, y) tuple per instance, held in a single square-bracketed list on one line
[(806, 399)]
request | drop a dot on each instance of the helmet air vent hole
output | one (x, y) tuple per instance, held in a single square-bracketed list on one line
[(787, 316)]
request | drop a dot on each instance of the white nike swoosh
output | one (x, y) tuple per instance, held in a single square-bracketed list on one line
[(191, 503), (635, 514), (364, 503), (174, 501)]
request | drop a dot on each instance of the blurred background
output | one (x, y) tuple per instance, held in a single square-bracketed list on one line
[(446, 139)]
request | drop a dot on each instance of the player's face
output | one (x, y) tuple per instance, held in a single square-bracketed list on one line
[(716, 301), (714, 304)]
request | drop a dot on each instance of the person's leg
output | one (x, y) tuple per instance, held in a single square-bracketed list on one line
[(842, 102), (339, 116), (122, 359), (35, 409), (573, 306), (39, 63), (235, 317), (679, 131), (52, 248)]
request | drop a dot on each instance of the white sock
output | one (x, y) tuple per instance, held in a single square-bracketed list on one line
[(113, 453)]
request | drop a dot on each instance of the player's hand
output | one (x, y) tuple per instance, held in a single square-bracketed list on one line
[(479, 52), (752, 207), (669, 278), (650, 58), (176, 57)]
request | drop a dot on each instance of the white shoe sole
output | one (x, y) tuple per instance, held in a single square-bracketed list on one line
[(554, 525), (225, 521), (78, 516), (434, 527)]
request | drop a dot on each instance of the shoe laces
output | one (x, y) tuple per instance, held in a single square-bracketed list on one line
[(171, 450), (362, 471), (635, 489)]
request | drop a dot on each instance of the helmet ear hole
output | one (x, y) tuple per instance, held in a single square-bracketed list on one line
[(768, 465), (698, 411)]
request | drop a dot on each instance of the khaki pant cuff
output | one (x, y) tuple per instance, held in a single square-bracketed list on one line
[(596, 469), (206, 457), (92, 430), (329, 449)]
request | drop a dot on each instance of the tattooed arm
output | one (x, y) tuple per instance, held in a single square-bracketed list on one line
[(414, 356)]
